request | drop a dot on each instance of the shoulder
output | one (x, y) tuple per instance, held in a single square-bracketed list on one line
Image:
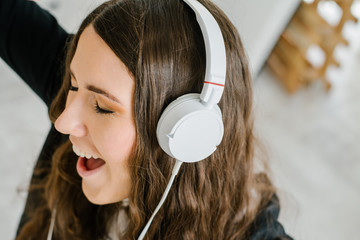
[(266, 225)]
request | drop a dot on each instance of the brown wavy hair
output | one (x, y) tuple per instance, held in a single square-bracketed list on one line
[(162, 46)]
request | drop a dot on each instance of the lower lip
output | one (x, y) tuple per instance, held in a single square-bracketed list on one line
[(83, 171)]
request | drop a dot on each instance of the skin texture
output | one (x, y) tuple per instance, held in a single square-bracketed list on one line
[(99, 123)]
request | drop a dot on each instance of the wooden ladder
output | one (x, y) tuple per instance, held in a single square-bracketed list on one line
[(288, 60)]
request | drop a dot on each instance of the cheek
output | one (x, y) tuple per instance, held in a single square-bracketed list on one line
[(116, 142)]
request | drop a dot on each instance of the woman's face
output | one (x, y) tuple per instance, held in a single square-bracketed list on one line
[(99, 119)]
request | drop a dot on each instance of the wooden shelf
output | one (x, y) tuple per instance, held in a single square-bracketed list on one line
[(307, 28)]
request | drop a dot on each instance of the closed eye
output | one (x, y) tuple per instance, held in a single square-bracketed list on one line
[(100, 110), (75, 89)]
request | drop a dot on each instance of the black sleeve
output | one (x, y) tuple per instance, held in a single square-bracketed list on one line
[(266, 225), (33, 45)]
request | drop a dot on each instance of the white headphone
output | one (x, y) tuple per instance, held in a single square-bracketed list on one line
[(191, 127)]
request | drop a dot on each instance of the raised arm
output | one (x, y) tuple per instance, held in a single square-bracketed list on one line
[(33, 44)]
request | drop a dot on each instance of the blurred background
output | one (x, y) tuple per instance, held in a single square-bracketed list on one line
[(305, 59)]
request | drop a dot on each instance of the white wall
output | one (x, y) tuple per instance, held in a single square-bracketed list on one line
[(260, 23)]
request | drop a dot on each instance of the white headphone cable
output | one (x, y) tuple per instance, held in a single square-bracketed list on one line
[(166, 192), (52, 224)]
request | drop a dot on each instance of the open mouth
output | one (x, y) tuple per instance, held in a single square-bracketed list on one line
[(87, 167), (87, 164), (92, 163)]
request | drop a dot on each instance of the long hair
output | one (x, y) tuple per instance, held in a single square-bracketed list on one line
[(161, 44)]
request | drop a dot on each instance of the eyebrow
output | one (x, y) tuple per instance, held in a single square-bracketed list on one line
[(100, 91)]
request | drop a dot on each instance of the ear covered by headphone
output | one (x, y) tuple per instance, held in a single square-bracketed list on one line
[(191, 127), (188, 131)]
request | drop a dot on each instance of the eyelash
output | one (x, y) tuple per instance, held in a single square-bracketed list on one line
[(97, 108), (72, 88), (100, 110)]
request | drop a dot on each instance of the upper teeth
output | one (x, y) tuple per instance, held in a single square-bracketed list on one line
[(83, 154)]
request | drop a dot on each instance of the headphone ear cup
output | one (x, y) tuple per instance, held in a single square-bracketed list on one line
[(188, 131)]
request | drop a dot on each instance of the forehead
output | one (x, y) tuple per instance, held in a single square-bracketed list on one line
[(94, 63), (93, 52)]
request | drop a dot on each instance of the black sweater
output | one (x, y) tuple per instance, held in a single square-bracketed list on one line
[(33, 44)]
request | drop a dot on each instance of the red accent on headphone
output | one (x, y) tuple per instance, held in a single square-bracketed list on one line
[(221, 85)]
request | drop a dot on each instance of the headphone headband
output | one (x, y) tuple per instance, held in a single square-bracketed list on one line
[(191, 127), (215, 54)]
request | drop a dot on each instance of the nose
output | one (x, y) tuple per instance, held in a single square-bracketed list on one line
[(71, 119)]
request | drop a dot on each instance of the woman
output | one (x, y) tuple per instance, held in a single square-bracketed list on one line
[(102, 173)]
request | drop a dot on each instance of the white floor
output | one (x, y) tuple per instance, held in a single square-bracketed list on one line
[(311, 139)]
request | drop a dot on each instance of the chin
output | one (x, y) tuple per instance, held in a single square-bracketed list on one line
[(97, 201), (100, 198)]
